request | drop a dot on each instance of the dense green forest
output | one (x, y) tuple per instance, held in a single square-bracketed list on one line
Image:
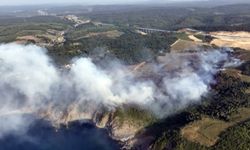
[(231, 17), (130, 47)]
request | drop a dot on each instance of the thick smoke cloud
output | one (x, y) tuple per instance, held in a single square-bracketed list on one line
[(30, 83), (111, 87)]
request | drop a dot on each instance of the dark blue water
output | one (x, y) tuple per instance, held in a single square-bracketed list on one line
[(77, 136)]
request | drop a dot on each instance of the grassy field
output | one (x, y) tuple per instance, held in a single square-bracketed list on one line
[(237, 74), (11, 32), (109, 34), (86, 30), (184, 45), (246, 79), (207, 130), (236, 138), (183, 36)]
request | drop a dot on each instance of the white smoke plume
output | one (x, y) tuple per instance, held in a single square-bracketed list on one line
[(30, 83)]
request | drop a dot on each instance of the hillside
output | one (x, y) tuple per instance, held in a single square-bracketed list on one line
[(154, 77)]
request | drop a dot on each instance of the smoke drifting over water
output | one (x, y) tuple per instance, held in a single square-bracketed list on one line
[(30, 83)]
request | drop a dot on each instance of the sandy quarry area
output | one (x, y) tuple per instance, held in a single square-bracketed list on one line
[(232, 39)]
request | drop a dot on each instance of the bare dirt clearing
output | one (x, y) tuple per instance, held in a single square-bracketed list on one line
[(195, 39), (181, 46), (231, 39)]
